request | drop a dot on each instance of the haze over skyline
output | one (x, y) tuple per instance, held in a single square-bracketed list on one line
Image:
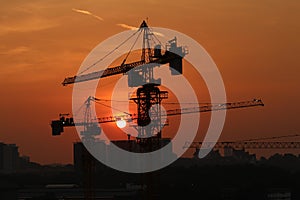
[(255, 45)]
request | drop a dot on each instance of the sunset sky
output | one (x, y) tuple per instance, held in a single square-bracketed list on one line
[(255, 45)]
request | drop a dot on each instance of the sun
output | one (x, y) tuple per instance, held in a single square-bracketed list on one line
[(121, 123)]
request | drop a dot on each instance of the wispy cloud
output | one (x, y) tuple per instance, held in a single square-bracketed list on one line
[(158, 34), (18, 50), (27, 25), (85, 12), (136, 28), (128, 26)]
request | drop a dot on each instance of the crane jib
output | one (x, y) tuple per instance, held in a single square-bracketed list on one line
[(58, 125), (102, 73), (121, 69)]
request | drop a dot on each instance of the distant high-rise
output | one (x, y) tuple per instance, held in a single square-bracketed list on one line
[(9, 158), (82, 156)]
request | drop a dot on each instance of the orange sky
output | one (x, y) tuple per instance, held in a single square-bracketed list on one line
[(254, 43)]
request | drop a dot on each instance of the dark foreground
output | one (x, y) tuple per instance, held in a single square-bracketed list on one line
[(185, 179)]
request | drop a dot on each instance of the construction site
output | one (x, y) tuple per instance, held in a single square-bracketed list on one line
[(147, 119)]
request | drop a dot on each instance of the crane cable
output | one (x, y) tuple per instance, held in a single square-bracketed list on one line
[(126, 113), (112, 51), (269, 138), (153, 36), (124, 101), (131, 48)]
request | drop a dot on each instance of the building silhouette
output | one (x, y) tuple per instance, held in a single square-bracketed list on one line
[(9, 158)]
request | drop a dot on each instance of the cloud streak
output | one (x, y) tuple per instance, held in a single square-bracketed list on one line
[(85, 12), (128, 26), (136, 28), (158, 34), (27, 25), (18, 50)]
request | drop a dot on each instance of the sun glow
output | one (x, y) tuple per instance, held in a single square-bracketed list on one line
[(121, 123)]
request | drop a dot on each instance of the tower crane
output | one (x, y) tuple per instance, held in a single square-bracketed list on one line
[(256, 143), (91, 128)]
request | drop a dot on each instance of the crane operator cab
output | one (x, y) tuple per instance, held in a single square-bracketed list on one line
[(58, 125), (176, 53)]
